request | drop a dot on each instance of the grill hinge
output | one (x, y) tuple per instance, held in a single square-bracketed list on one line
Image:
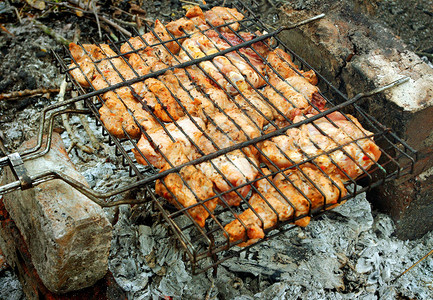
[(20, 172)]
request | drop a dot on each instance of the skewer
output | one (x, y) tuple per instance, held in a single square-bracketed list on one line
[(414, 265)]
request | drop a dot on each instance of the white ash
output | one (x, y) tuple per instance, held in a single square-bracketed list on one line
[(347, 253), (427, 61), (10, 287)]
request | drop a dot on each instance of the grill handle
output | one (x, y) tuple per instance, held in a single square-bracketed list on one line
[(96, 197)]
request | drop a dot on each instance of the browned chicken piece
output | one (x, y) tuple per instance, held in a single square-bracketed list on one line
[(156, 57), (109, 70), (142, 64), (271, 205), (253, 57), (202, 102), (242, 66), (187, 187), (167, 108), (191, 49), (149, 39), (287, 102), (219, 99), (161, 140), (309, 91), (190, 104), (116, 117), (219, 16), (295, 88), (89, 58), (150, 54), (196, 15), (248, 224), (138, 43), (229, 171), (359, 152), (282, 62), (228, 128), (255, 107), (262, 48), (231, 71), (85, 73), (164, 36), (181, 27), (238, 167), (238, 74)]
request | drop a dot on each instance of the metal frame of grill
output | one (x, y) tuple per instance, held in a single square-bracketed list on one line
[(208, 246)]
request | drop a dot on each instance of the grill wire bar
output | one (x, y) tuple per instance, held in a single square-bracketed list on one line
[(207, 246)]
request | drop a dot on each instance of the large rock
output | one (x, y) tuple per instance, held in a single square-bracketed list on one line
[(67, 235), (357, 54)]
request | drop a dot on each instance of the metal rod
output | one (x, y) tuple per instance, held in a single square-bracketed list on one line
[(414, 265), (303, 22)]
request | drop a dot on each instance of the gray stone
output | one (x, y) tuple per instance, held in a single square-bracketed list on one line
[(68, 236)]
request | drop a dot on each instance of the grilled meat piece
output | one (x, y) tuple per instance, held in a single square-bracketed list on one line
[(297, 188), (218, 16), (191, 50), (140, 43), (186, 187), (123, 113), (229, 171), (119, 106), (219, 99), (162, 138), (286, 101), (282, 62), (196, 15), (234, 168), (257, 108), (357, 154)]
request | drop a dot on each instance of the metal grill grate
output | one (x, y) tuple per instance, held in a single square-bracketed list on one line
[(208, 245)]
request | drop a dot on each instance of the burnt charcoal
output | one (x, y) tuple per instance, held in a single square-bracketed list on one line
[(28, 80), (7, 13), (5, 84)]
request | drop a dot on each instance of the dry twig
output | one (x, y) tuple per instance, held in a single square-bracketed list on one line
[(212, 285), (94, 10), (6, 30), (25, 93), (134, 17), (115, 25), (428, 55), (94, 141), (65, 118), (189, 2), (60, 39), (410, 268)]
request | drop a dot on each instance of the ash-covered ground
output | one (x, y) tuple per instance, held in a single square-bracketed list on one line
[(349, 253)]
